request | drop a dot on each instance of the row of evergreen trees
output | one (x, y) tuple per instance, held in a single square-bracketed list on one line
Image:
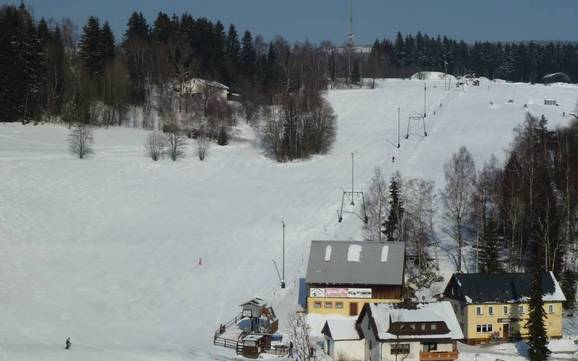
[(47, 70), (523, 62)]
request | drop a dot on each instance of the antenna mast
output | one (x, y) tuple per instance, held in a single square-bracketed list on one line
[(350, 37)]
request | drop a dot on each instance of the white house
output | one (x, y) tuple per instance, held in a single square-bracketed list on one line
[(342, 340), (200, 86), (417, 332)]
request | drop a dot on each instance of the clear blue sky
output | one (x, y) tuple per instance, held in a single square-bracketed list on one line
[(318, 20)]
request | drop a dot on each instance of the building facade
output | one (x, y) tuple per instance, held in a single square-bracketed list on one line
[(343, 276), (342, 340), (410, 333), (496, 306)]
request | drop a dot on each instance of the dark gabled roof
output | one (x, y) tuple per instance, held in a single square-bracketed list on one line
[(500, 287), (394, 321), (356, 263)]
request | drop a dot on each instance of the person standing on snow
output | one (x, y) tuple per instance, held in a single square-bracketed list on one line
[(68, 344)]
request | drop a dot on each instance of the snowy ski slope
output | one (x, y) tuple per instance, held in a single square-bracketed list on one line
[(107, 250)]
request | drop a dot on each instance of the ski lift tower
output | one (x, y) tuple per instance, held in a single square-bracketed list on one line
[(415, 116), (351, 196)]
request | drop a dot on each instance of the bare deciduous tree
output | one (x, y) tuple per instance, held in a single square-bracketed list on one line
[(176, 143), (376, 206), (155, 145), (460, 176), (203, 145), (80, 140), (299, 334), (301, 125)]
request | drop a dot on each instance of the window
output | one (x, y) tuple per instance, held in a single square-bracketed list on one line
[(434, 327), (339, 305), (400, 349), (484, 328), (317, 304), (505, 310), (550, 308), (490, 310), (423, 326), (520, 309), (328, 304), (479, 310), (384, 253), (327, 253), (430, 346)]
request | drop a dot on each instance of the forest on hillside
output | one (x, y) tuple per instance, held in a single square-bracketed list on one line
[(519, 216), (53, 71), (46, 65)]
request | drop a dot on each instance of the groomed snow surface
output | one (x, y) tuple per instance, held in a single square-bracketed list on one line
[(140, 260)]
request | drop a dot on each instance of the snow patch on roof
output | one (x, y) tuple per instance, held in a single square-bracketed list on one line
[(557, 295), (384, 253), (327, 253), (342, 329), (354, 253)]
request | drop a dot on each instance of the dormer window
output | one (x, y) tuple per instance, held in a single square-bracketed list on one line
[(384, 253), (354, 253), (327, 253)]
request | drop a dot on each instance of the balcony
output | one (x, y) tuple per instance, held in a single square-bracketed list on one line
[(440, 356)]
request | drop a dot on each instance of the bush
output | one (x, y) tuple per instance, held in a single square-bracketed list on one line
[(223, 137), (301, 125), (155, 145)]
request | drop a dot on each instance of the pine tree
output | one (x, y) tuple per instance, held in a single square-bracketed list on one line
[(396, 209), (163, 28), (137, 29), (106, 43), (490, 249), (356, 72), (232, 49), (136, 44), (569, 289), (537, 340), (90, 48), (21, 65), (248, 56)]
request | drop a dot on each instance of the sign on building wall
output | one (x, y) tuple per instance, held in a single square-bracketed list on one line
[(317, 292), (359, 292), (340, 292), (336, 292)]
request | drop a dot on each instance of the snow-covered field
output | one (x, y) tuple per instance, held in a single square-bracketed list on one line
[(107, 250)]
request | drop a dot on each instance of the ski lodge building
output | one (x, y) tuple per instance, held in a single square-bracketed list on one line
[(343, 276), (494, 306), (391, 332)]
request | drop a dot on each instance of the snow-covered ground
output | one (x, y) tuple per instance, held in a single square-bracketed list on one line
[(106, 250)]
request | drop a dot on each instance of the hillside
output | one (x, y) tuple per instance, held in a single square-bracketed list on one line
[(107, 250)]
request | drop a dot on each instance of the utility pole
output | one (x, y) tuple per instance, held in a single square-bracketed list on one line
[(352, 163), (283, 269), (424, 99), (446, 87), (398, 126)]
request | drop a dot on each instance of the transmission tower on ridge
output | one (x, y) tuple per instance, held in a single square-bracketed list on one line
[(350, 41)]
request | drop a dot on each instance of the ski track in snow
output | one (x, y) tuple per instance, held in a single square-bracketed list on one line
[(105, 250)]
